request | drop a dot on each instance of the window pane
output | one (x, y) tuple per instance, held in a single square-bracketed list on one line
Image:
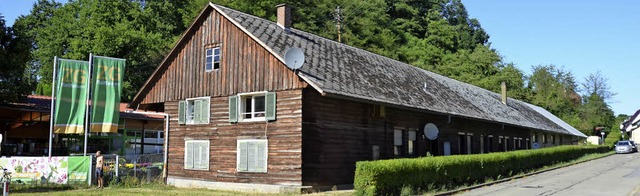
[(216, 65), (208, 66), (216, 51), (208, 59), (247, 108), (215, 58), (208, 51), (259, 103), (247, 105)]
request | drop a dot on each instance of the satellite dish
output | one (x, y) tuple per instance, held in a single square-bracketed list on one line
[(431, 131), (294, 58)]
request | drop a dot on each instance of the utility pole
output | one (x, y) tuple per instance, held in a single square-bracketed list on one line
[(338, 17)]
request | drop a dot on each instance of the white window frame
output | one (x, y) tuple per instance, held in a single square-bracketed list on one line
[(186, 144), (412, 137), (189, 112), (398, 141), (266, 155), (212, 57), (241, 107)]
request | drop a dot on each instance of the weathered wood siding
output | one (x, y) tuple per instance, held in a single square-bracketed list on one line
[(337, 133), (245, 65), (284, 136)]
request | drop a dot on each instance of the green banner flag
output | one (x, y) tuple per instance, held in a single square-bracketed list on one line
[(71, 94), (107, 87)]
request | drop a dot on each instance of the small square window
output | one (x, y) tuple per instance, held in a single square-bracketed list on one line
[(212, 59)]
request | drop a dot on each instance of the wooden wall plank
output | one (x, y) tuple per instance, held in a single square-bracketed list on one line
[(284, 135)]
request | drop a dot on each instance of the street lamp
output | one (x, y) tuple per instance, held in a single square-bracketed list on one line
[(602, 133)]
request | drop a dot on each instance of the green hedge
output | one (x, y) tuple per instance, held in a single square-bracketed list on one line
[(384, 177)]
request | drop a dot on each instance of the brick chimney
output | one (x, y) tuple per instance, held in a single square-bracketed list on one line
[(284, 16)]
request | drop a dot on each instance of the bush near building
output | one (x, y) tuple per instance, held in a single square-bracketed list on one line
[(384, 177)]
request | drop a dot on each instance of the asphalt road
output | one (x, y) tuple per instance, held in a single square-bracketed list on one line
[(617, 174)]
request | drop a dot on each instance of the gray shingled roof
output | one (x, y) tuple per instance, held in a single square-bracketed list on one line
[(339, 69), (557, 120)]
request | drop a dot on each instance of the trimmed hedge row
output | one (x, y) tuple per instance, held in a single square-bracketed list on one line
[(384, 177)]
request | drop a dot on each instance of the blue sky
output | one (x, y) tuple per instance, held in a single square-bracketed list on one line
[(582, 36)]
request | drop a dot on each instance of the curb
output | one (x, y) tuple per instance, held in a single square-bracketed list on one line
[(513, 178)]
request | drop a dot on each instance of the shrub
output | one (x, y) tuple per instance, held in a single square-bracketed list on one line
[(386, 177)]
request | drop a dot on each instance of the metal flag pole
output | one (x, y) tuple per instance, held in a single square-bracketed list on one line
[(53, 91), (86, 114)]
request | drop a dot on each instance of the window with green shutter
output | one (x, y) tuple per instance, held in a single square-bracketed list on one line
[(196, 154), (252, 155), (197, 110), (251, 107)]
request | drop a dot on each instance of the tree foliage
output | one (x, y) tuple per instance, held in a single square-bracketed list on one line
[(436, 35), (15, 80)]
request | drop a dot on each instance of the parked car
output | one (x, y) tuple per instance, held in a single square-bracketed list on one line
[(634, 145), (624, 147)]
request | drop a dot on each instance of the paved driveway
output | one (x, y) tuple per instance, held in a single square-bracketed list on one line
[(613, 175)]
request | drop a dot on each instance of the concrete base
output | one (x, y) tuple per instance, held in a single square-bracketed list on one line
[(231, 186)]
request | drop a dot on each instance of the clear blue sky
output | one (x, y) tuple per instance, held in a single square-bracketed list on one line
[(581, 36)]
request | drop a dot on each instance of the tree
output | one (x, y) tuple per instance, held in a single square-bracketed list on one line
[(596, 83), (15, 82), (141, 32), (595, 111)]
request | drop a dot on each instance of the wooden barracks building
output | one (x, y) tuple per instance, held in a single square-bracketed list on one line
[(241, 119)]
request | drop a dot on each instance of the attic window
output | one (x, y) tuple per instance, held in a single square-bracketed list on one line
[(212, 59)]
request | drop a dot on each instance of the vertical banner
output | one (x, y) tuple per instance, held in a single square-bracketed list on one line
[(71, 94), (107, 87)]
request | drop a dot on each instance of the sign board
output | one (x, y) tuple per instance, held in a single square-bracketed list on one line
[(58, 170)]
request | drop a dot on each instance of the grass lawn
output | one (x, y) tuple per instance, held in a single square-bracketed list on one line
[(143, 190), (156, 190)]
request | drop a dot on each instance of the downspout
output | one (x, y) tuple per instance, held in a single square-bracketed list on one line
[(166, 138)]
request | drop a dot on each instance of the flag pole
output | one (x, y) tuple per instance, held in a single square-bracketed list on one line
[(53, 91), (86, 114)]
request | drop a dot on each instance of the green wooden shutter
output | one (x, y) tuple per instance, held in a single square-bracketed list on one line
[(188, 155), (251, 156), (181, 112), (233, 108), (197, 107), (242, 156), (206, 104), (261, 156), (270, 105), (203, 155)]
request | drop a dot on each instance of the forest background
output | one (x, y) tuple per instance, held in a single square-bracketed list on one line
[(436, 35)]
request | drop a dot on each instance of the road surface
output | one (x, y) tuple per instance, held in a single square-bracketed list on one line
[(617, 174)]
